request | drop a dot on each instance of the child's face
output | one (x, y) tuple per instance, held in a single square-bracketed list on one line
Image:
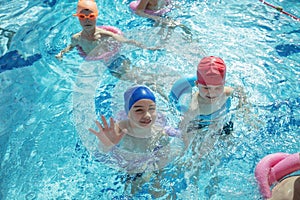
[(89, 22), (210, 92), (143, 113)]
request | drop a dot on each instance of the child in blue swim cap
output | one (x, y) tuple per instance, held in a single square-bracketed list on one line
[(139, 128), (140, 108), (138, 141)]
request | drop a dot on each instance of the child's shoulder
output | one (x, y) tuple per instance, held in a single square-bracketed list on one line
[(103, 31), (76, 36), (228, 91)]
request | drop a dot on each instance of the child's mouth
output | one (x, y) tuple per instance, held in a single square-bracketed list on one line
[(146, 122), (209, 97)]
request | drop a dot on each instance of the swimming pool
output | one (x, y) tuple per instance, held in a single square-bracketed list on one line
[(42, 155)]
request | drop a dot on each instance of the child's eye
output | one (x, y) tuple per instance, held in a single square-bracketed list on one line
[(139, 110)]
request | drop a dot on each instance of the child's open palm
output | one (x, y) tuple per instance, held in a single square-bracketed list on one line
[(108, 135)]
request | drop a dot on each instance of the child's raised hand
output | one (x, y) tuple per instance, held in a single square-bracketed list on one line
[(108, 135)]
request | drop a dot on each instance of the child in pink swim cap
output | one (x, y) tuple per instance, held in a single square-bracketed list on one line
[(211, 71), (92, 37), (211, 102)]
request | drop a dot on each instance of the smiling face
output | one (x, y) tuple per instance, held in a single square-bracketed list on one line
[(88, 23), (210, 92), (143, 113)]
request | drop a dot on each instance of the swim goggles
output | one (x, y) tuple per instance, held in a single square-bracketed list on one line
[(91, 16)]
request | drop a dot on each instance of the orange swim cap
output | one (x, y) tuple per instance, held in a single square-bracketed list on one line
[(87, 4), (211, 71)]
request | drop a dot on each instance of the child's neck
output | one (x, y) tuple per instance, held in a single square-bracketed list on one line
[(89, 34), (140, 132), (217, 100)]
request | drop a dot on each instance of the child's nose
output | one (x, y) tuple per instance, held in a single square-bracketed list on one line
[(147, 115), (212, 91)]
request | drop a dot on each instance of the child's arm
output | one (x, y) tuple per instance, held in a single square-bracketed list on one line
[(123, 39), (228, 91), (185, 121), (68, 48), (160, 20), (241, 95), (59, 56)]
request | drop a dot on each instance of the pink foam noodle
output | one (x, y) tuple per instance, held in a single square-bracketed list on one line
[(263, 169), (274, 167), (286, 166)]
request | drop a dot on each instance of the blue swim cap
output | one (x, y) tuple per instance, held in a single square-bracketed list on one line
[(136, 93)]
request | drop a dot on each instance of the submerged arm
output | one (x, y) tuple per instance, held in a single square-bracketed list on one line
[(241, 95), (62, 52), (187, 136), (123, 39), (160, 20), (67, 49)]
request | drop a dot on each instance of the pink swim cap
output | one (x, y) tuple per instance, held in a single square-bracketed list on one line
[(211, 71), (87, 4)]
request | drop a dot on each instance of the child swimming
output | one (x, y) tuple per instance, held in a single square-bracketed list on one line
[(92, 37), (138, 133), (212, 100), (151, 5), (154, 9), (148, 8), (143, 146)]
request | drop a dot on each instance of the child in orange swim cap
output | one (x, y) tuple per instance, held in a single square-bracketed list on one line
[(92, 37)]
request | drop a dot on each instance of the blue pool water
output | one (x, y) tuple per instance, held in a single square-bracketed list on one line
[(48, 105)]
